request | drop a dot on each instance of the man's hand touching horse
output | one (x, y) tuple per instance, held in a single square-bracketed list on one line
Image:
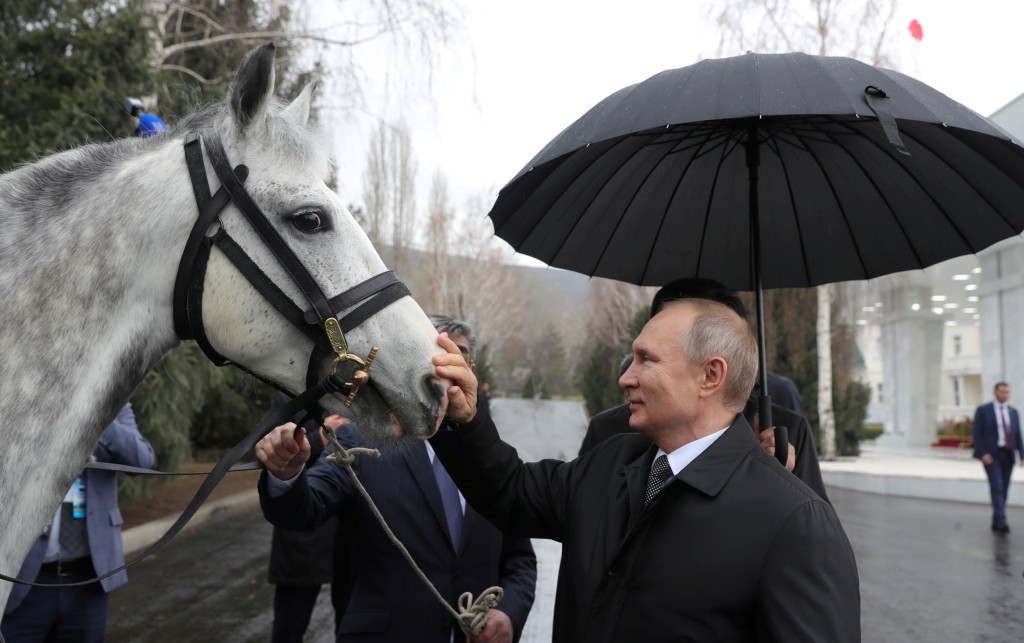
[(462, 393), (284, 451)]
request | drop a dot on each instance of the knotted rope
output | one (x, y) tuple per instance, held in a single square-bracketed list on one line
[(472, 614)]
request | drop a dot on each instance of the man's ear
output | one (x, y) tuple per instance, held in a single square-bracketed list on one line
[(715, 372)]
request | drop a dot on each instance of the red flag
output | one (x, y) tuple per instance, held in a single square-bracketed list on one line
[(916, 32)]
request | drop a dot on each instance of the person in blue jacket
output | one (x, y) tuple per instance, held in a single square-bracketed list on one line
[(82, 542), (149, 124)]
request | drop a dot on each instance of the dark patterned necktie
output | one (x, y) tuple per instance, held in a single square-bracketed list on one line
[(72, 530), (661, 473), (1006, 428), (451, 501)]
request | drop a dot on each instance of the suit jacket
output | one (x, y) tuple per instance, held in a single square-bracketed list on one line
[(389, 602), (734, 548), (616, 420), (121, 443), (985, 430)]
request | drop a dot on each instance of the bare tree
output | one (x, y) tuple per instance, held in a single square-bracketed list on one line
[(483, 289), (389, 191), (440, 218), (859, 29), (376, 192), (417, 29), (402, 183)]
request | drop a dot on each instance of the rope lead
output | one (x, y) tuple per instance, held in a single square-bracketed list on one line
[(472, 614)]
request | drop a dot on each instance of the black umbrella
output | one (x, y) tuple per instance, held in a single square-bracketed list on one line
[(762, 170)]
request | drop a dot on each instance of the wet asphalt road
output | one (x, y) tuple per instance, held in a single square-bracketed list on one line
[(934, 571), (930, 571)]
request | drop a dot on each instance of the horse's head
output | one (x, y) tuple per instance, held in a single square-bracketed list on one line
[(284, 341)]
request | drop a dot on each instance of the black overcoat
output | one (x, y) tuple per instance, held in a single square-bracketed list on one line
[(735, 548)]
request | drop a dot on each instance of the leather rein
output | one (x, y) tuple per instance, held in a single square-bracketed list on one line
[(365, 300)]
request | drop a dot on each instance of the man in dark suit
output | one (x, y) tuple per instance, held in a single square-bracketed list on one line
[(457, 548), (787, 410), (700, 536), (996, 432), (302, 561), (82, 542)]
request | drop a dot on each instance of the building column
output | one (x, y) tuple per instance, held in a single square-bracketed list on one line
[(1001, 305), (911, 360)]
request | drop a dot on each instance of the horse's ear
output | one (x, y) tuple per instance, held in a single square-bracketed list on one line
[(298, 111), (253, 86)]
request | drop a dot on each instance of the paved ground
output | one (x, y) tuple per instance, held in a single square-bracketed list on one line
[(930, 570)]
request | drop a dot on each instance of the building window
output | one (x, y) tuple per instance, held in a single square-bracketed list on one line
[(957, 391), (879, 395), (957, 347)]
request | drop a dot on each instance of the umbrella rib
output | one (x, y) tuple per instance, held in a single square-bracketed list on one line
[(710, 134), (632, 198), (839, 203), (792, 200), (707, 212), (881, 194), (886, 149), (980, 194), (565, 238)]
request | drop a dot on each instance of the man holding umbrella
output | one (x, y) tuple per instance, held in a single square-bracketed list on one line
[(700, 535)]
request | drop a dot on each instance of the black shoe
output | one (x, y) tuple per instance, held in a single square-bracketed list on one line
[(1002, 529)]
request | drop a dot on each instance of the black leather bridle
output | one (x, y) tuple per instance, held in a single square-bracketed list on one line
[(320, 323)]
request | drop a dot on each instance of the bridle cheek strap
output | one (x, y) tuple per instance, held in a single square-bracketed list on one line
[(367, 298)]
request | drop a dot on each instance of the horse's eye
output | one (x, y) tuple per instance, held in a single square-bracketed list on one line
[(309, 221)]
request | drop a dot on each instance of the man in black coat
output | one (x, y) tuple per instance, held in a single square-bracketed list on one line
[(700, 536), (787, 410)]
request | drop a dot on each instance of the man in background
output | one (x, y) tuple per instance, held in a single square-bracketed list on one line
[(82, 542), (996, 432), (148, 124)]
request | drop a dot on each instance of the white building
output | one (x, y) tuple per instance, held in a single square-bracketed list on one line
[(936, 341)]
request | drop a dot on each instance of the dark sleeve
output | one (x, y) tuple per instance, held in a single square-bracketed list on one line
[(518, 577), (590, 440), (809, 589), (518, 498), (807, 467), (604, 425), (321, 491), (976, 433)]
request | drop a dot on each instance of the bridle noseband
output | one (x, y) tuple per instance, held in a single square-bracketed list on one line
[(320, 323)]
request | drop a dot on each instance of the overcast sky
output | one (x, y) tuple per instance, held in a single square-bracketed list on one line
[(538, 65)]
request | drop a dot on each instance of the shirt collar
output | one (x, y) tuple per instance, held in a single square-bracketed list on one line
[(687, 453)]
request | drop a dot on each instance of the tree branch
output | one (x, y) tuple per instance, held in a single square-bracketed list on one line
[(171, 50), (186, 70)]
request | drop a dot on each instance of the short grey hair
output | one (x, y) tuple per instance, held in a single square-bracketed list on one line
[(445, 324), (720, 332)]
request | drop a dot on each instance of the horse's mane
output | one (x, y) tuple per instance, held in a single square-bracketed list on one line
[(303, 143)]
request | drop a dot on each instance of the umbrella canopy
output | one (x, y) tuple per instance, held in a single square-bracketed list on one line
[(844, 170), (766, 171)]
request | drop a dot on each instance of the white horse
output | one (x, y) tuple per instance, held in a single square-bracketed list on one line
[(90, 241)]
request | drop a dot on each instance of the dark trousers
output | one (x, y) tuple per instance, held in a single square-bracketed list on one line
[(59, 614), (999, 483), (293, 609)]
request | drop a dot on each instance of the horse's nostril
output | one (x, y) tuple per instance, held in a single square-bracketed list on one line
[(438, 389)]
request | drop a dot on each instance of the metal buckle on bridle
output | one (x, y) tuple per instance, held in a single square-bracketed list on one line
[(362, 373)]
